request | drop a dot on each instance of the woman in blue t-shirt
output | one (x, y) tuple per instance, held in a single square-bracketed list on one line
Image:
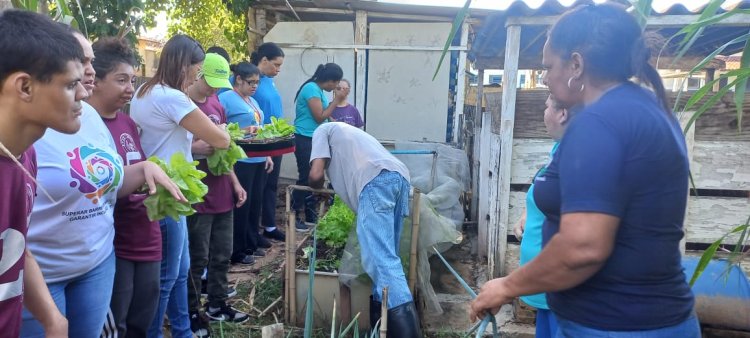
[(529, 228), (269, 58), (251, 172), (615, 194), (312, 109)]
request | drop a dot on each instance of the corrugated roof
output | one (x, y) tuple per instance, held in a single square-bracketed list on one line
[(488, 46)]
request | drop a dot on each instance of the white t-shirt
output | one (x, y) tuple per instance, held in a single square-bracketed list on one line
[(158, 114), (355, 159), (83, 173)]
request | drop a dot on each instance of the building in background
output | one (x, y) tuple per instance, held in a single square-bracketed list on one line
[(149, 49)]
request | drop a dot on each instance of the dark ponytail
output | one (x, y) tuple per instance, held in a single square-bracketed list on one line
[(600, 33), (268, 50), (324, 73)]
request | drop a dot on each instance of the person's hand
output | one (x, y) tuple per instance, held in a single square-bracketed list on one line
[(57, 327), (154, 175), (200, 147), (492, 296), (240, 193), (518, 229), (251, 130), (341, 98), (269, 164)]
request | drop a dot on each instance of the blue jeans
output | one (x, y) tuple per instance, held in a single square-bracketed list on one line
[(383, 203), (175, 265), (84, 300), (546, 324), (687, 329)]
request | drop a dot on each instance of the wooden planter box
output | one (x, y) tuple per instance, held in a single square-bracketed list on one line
[(349, 300)]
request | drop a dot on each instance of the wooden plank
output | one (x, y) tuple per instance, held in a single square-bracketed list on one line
[(475, 157), (529, 155), (719, 123), (708, 218), (486, 178), (360, 38), (722, 165), (715, 165), (460, 84), (498, 229)]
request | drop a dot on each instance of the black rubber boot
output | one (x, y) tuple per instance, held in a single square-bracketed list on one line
[(375, 308), (403, 322)]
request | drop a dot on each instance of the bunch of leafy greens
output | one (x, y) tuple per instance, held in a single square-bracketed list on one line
[(222, 160), (277, 128), (335, 226), (188, 178)]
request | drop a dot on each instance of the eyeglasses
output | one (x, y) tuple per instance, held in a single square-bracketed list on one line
[(251, 82)]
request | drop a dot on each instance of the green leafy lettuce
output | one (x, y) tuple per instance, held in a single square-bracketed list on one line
[(222, 161), (335, 226), (277, 128), (187, 177)]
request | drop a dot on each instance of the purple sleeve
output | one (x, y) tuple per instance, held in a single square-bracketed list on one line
[(357, 117)]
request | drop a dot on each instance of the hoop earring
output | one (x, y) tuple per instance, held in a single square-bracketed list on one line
[(582, 85)]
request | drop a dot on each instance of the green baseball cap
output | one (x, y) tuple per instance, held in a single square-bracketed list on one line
[(216, 71)]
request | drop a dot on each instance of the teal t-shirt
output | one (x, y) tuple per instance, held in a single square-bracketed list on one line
[(304, 122), (244, 113), (531, 243)]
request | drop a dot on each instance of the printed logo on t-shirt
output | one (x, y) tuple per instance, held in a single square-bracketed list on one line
[(127, 143), (215, 119), (29, 201), (94, 171), (13, 247)]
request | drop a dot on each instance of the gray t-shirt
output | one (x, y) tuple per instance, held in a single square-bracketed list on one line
[(355, 159)]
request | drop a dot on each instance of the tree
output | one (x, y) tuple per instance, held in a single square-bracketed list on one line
[(211, 23)]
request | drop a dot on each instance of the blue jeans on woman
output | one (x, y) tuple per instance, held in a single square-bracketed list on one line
[(383, 204), (690, 328), (175, 266), (84, 300)]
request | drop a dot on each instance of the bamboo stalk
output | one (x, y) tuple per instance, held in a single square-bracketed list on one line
[(414, 241), (384, 314), (263, 313), (290, 291)]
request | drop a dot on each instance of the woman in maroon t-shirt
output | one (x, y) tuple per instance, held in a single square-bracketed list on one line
[(137, 240)]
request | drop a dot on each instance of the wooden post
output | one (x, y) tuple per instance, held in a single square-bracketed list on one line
[(384, 314), (498, 230), (291, 283), (476, 152), (460, 83), (414, 241), (360, 82), (252, 38)]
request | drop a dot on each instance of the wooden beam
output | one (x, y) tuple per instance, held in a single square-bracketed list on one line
[(476, 132), (461, 79), (360, 82), (378, 15), (498, 229), (661, 21), (371, 47)]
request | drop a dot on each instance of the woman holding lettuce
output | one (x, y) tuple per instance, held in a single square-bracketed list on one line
[(169, 121), (252, 172)]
